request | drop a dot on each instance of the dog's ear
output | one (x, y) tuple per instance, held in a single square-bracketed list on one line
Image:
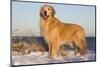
[(40, 14), (53, 11)]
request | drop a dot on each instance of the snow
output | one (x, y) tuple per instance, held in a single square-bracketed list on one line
[(42, 58)]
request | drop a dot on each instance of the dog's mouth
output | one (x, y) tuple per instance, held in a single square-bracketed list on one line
[(45, 15)]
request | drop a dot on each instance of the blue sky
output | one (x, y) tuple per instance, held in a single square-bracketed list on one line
[(25, 17)]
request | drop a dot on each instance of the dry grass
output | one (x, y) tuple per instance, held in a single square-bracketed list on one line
[(25, 48)]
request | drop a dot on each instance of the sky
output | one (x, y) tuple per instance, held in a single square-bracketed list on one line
[(26, 19)]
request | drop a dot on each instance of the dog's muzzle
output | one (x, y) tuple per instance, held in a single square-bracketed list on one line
[(45, 13)]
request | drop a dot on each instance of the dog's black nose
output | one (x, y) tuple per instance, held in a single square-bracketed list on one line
[(45, 13)]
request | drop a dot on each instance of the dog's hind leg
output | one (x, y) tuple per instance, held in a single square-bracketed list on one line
[(75, 46), (83, 46), (80, 44)]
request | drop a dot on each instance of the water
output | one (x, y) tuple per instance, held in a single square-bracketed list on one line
[(91, 41)]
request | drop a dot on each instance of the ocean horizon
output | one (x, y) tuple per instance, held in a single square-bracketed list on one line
[(91, 41)]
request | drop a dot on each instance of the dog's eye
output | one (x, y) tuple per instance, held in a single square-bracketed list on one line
[(48, 9), (42, 8)]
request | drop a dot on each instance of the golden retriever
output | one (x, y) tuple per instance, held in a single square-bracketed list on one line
[(57, 33)]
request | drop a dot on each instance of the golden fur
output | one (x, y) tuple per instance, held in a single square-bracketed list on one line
[(57, 33)]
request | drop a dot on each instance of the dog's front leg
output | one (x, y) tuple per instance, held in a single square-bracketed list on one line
[(49, 52), (54, 50)]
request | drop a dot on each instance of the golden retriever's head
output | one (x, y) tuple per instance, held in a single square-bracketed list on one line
[(46, 12)]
